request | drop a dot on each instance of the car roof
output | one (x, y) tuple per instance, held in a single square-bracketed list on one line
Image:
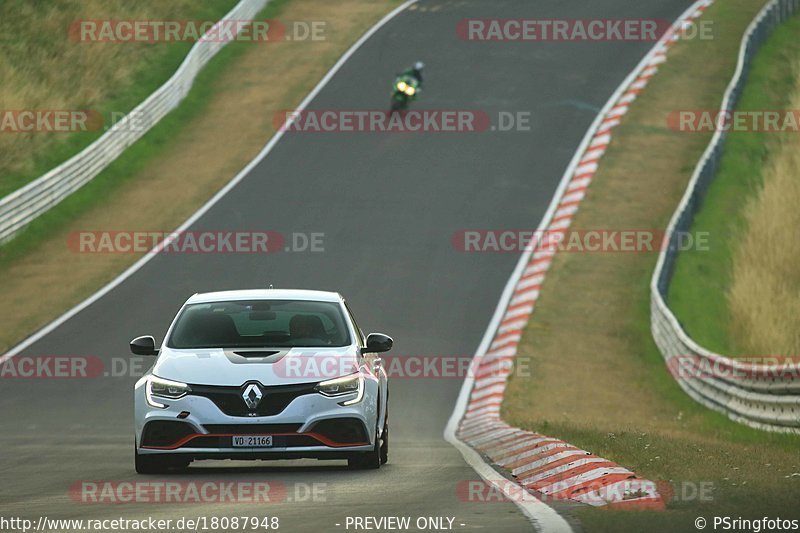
[(265, 294)]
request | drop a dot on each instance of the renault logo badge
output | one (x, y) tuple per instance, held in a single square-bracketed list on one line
[(252, 396)]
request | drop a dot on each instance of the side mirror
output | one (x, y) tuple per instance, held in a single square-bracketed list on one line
[(145, 345), (378, 342)]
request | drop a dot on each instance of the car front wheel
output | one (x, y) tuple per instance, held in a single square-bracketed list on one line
[(374, 458), (385, 441)]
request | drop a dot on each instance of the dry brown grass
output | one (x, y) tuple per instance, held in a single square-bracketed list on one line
[(764, 296), (211, 149), (42, 68)]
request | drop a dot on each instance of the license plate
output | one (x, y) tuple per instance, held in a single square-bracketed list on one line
[(252, 441)]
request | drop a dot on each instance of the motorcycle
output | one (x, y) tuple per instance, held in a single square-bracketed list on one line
[(405, 90)]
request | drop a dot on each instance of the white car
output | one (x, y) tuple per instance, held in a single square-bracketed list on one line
[(262, 374)]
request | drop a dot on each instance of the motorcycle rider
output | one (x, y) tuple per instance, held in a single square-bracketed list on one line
[(402, 95), (415, 72)]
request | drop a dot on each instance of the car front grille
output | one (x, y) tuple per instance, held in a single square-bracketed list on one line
[(274, 399)]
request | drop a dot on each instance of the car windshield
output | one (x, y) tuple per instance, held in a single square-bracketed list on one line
[(260, 323)]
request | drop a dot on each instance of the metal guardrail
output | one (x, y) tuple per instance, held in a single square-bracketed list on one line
[(765, 396), (27, 203)]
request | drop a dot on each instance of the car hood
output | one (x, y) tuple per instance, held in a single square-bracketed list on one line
[(276, 366)]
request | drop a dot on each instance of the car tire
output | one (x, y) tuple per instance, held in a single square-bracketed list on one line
[(157, 464), (370, 460), (384, 450)]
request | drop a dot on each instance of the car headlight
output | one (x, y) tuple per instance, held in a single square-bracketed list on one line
[(341, 386), (402, 86), (164, 388), (410, 90)]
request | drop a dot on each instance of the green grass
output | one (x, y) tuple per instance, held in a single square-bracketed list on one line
[(155, 142), (150, 66), (701, 281)]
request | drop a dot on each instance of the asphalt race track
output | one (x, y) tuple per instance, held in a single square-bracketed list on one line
[(388, 205)]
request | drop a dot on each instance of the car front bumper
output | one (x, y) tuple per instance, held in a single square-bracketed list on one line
[(311, 426)]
